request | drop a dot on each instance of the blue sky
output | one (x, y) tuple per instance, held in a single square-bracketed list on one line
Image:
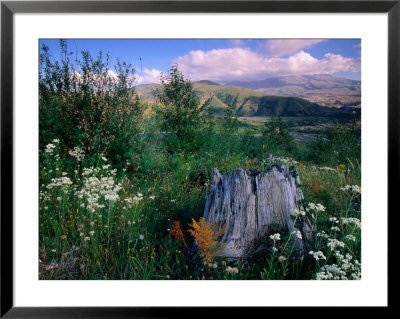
[(228, 59)]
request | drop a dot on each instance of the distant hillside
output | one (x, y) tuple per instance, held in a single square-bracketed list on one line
[(247, 102), (207, 82), (325, 90)]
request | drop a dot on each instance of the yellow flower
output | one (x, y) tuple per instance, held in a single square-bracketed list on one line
[(342, 168)]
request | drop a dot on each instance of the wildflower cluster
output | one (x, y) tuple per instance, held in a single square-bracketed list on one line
[(297, 233), (322, 234), (350, 237), (298, 212), (355, 189), (333, 220), (342, 265), (347, 268), (232, 270), (211, 265), (275, 237), (316, 208), (78, 153), (50, 147), (352, 221), (287, 161), (317, 255), (96, 189), (275, 160), (135, 199), (334, 243), (63, 183)]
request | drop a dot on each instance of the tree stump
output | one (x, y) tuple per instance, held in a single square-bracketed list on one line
[(251, 204)]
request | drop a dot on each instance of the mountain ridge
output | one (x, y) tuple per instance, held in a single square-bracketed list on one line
[(324, 89), (246, 102)]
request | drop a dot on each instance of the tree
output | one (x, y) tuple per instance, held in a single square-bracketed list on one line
[(183, 118), (276, 134)]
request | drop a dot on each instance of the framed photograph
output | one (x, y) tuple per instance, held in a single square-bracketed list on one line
[(159, 155)]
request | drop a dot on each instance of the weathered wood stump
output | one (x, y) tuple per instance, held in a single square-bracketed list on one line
[(250, 204)]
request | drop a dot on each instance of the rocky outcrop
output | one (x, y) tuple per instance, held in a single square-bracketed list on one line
[(250, 204)]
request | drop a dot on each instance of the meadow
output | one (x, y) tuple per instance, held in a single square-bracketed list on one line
[(123, 183)]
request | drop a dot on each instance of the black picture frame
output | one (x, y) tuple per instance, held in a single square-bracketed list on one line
[(9, 8)]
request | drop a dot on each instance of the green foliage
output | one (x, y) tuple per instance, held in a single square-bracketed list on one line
[(184, 121), (87, 105), (341, 143), (230, 121), (276, 134)]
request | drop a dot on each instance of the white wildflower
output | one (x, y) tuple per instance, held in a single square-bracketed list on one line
[(297, 233), (78, 153), (135, 199), (355, 189), (333, 220), (316, 208), (353, 221), (351, 237), (232, 270), (62, 183), (333, 243), (297, 212), (282, 258), (317, 255), (49, 148), (275, 237)]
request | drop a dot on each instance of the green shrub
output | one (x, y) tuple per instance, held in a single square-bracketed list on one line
[(87, 105)]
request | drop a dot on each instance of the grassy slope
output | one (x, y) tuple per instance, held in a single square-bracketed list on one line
[(244, 101)]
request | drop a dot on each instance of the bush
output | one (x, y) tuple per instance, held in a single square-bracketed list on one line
[(89, 106)]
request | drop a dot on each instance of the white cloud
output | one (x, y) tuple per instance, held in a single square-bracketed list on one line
[(278, 48), (148, 76), (242, 64)]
